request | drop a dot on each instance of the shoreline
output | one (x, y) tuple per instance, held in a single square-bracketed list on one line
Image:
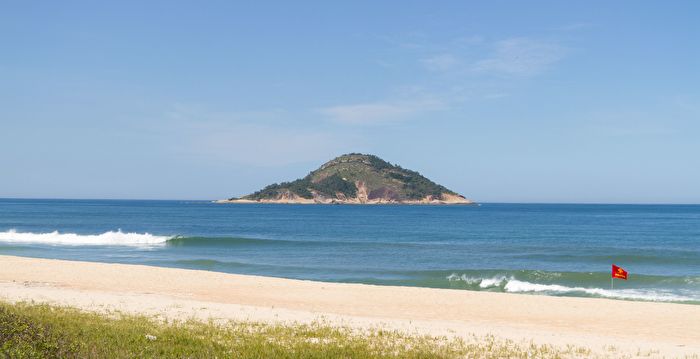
[(353, 203), (632, 327)]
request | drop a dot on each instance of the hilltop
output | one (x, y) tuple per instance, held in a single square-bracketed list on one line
[(357, 179)]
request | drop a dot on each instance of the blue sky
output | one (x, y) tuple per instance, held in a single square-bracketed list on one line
[(501, 101)]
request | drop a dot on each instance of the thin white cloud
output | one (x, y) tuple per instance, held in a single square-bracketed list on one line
[(267, 145), (441, 62), (687, 104), (250, 138), (628, 123), (578, 26), (380, 112), (467, 40), (520, 57)]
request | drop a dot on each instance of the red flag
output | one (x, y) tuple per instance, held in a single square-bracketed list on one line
[(618, 272)]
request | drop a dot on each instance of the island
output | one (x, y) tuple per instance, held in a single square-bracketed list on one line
[(356, 178)]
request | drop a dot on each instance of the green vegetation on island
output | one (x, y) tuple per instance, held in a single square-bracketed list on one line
[(41, 331), (358, 177)]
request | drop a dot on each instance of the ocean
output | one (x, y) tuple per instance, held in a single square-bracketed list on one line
[(544, 249)]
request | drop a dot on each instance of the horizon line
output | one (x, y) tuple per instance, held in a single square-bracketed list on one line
[(476, 202)]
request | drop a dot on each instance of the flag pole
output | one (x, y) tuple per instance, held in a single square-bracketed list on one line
[(611, 282)]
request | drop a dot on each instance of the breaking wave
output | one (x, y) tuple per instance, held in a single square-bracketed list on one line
[(512, 285), (111, 238)]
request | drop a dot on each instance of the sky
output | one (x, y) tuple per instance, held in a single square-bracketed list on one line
[(501, 101)]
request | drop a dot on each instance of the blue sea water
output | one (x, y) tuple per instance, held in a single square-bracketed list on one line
[(552, 249)]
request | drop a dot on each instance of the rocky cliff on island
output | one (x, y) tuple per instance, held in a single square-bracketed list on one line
[(356, 179)]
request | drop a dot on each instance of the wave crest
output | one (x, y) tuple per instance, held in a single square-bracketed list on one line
[(516, 286), (509, 284), (483, 283), (111, 238)]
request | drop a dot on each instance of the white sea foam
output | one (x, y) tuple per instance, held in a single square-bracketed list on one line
[(496, 281), (493, 282), (513, 285), (112, 238), (516, 286), (454, 277)]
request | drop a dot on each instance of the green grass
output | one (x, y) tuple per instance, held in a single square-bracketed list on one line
[(41, 331)]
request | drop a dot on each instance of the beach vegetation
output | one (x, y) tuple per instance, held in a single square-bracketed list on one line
[(334, 184), (42, 331)]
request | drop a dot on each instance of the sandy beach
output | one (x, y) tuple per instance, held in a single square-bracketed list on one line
[(611, 327)]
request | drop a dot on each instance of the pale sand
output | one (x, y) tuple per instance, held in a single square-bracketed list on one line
[(631, 327)]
